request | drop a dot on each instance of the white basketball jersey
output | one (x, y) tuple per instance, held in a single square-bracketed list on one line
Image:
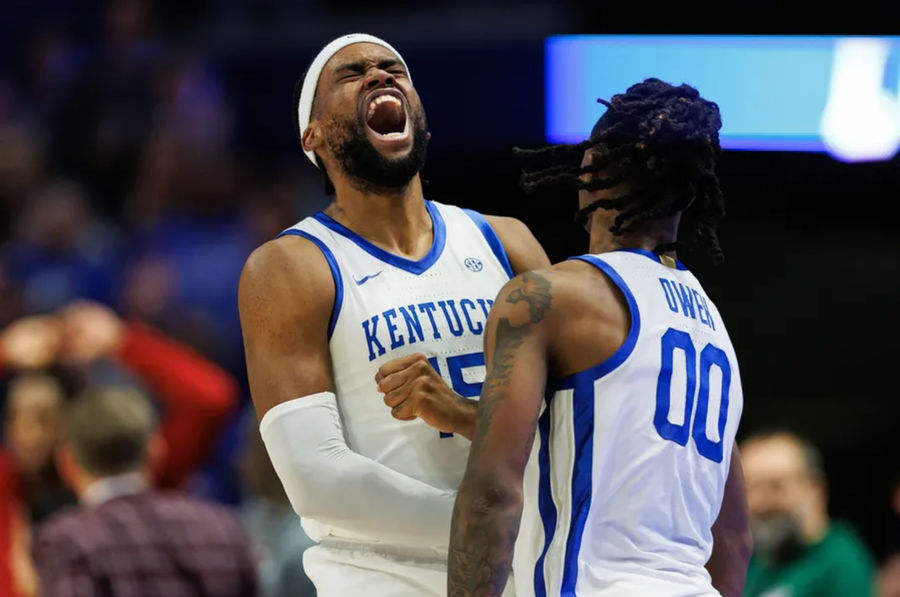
[(628, 468), (388, 307)]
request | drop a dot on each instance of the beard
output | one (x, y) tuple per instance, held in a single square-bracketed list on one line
[(777, 536), (368, 169)]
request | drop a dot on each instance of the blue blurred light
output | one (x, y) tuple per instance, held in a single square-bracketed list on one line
[(772, 90)]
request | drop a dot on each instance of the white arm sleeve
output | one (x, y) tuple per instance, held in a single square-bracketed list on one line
[(327, 482)]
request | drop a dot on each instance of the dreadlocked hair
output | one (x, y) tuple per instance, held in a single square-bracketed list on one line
[(663, 141)]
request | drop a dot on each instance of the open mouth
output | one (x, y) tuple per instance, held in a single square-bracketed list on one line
[(386, 117)]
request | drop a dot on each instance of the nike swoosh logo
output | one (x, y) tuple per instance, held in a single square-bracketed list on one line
[(366, 278)]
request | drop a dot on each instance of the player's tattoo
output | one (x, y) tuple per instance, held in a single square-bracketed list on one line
[(483, 536), (482, 567), (534, 292)]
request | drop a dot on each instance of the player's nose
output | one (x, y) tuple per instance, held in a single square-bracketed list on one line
[(379, 78)]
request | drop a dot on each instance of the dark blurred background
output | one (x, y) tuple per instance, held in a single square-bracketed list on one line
[(147, 147)]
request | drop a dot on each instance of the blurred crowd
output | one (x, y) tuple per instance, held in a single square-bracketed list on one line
[(126, 213), (127, 208)]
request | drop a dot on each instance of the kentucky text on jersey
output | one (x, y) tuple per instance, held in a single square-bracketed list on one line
[(408, 324), (688, 301)]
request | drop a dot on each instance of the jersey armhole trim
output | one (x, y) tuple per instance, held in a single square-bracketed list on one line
[(335, 274), (493, 241), (622, 353)]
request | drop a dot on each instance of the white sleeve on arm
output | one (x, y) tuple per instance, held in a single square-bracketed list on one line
[(328, 482)]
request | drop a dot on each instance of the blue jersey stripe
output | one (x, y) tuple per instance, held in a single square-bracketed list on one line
[(413, 267), (583, 425), (546, 507), (335, 274), (582, 477), (627, 347), (490, 235)]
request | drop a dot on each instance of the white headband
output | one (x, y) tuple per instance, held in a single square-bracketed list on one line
[(311, 81)]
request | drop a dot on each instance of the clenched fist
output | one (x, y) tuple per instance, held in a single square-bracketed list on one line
[(413, 389)]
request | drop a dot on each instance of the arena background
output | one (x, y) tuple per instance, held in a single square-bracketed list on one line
[(811, 283)]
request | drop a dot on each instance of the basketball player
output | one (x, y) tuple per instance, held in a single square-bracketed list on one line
[(380, 275), (632, 487)]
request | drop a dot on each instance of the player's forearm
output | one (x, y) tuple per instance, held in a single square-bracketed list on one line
[(484, 528), (327, 482), (466, 417), (369, 498), (727, 566), (732, 543)]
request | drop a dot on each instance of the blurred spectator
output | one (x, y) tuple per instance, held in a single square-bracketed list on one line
[(30, 487), (893, 523), (274, 527), (189, 240), (52, 63), (21, 163), (17, 575), (60, 251), (196, 395), (889, 577), (30, 343), (32, 422), (127, 539), (889, 574), (798, 551), (196, 398), (103, 120)]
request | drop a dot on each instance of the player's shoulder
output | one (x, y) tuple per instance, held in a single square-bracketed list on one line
[(286, 254), (289, 264), (502, 225), (507, 224), (560, 290), (522, 248), (573, 286), (512, 231)]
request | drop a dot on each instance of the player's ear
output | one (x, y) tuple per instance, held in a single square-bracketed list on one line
[(313, 137)]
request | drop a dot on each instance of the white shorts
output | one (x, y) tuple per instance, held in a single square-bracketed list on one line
[(340, 572)]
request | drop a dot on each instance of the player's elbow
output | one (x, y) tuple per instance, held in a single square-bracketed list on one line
[(735, 539), (317, 473), (738, 542), (488, 498), (729, 561), (307, 485)]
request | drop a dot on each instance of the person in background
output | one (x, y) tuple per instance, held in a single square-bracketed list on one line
[(798, 550), (889, 577), (195, 396), (33, 414), (127, 538)]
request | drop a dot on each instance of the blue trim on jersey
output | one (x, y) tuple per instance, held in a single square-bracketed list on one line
[(618, 357), (546, 507), (413, 267), (651, 255), (582, 477), (583, 425), (335, 274), (490, 235)]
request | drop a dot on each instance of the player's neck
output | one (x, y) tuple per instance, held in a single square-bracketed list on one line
[(648, 236), (396, 221)]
